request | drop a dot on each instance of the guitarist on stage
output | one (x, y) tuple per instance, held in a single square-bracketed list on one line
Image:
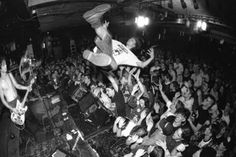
[(9, 134), (8, 87)]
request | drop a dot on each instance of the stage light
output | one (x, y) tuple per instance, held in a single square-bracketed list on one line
[(33, 11), (204, 26), (201, 25), (142, 21)]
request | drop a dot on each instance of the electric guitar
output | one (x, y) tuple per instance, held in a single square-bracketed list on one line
[(19, 118)]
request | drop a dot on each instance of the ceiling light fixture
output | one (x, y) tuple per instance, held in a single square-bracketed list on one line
[(201, 25), (142, 21)]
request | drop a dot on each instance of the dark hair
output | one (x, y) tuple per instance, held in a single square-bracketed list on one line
[(138, 44), (183, 111), (186, 133), (168, 76), (176, 85), (212, 98), (137, 129), (157, 152), (179, 105), (208, 152)]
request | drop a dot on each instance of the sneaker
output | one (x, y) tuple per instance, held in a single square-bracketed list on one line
[(98, 59), (94, 16)]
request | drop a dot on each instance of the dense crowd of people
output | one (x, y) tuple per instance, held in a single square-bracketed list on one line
[(172, 107)]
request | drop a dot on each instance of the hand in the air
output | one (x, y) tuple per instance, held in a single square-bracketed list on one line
[(151, 52), (29, 88), (161, 144), (140, 152)]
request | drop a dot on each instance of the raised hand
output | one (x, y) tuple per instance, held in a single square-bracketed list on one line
[(161, 144), (181, 147), (140, 152), (151, 52)]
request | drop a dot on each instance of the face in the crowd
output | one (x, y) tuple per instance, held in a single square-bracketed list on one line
[(131, 43), (207, 131), (110, 92), (172, 87), (207, 102), (179, 118), (142, 103), (4, 66), (177, 134), (131, 139), (185, 91), (213, 109), (87, 80), (156, 63)]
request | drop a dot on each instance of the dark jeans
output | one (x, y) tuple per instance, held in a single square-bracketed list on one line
[(9, 136)]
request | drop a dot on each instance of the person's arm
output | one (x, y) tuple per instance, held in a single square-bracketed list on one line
[(148, 61), (141, 86), (113, 81), (165, 98), (176, 152), (17, 85), (130, 77), (120, 73), (162, 144), (194, 128)]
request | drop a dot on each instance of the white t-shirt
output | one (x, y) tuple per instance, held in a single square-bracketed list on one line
[(122, 55)]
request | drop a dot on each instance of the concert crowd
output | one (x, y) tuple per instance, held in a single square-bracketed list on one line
[(173, 107)]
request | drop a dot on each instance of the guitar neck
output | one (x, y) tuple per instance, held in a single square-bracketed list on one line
[(26, 95), (24, 99)]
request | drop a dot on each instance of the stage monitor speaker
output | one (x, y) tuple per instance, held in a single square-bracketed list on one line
[(59, 153), (87, 101)]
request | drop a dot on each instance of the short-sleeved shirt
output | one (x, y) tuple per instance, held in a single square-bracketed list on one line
[(203, 116)]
